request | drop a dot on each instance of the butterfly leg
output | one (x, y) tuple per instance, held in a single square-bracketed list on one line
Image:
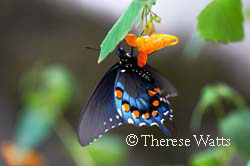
[(132, 50)]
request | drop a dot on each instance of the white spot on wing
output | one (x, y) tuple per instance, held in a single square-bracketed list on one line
[(117, 117), (99, 136), (119, 112), (164, 100), (110, 119), (104, 123), (142, 124), (162, 120), (154, 124), (166, 113), (106, 130), (119, 124), (130, 121)]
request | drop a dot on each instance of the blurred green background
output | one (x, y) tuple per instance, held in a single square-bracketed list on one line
[(47, 75)]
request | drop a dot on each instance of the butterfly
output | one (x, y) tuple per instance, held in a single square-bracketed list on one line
[(128, 94)]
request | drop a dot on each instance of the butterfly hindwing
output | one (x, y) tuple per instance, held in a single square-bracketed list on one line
[(100, 115), (142, 102)]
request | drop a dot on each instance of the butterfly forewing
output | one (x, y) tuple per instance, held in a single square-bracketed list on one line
[(99, 114)]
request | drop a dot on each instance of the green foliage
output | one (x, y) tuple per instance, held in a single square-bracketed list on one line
[(222, 21), (218, 156), (67, 135), (123, 25), (32, 129), (236, 127), (207, 99), (46, 91), (48, 88), (211, 98), (109, 150), (247, 13)]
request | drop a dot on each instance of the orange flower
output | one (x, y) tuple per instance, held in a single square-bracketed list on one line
[(14, 156), (147, 45)]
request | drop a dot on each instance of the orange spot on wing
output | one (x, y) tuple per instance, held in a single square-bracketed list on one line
[(151, 92), (126, 107), (155, 103), (157, 90), (146, 115), (136, 113), (154, 112), (118, 93)]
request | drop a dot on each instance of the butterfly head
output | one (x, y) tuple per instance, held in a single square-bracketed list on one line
[(122, 53), (126, 59)]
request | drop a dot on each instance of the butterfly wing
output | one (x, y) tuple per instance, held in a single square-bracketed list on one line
[(167, 89), (99, 114), (141, 102)]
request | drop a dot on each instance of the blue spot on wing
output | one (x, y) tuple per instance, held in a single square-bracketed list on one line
[(134, 105)]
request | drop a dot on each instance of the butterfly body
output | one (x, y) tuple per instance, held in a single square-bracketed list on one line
[(126, 94)]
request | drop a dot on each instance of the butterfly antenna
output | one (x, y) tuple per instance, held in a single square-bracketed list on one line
[(91, 48)]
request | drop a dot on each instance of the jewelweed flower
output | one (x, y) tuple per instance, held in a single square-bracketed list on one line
[(149, 44)]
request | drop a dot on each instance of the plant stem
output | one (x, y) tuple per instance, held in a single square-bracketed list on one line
[(68, 137)]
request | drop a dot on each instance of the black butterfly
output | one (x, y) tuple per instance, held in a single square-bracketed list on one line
[(126, 94)]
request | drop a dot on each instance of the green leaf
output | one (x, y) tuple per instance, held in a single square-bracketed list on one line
[(219, 156), (46, 91), (122, 27), (247, 13), (47, 88), (236, 127), (212, 96), (109, 150), (222, 21), (226, 92), (208, 98)]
